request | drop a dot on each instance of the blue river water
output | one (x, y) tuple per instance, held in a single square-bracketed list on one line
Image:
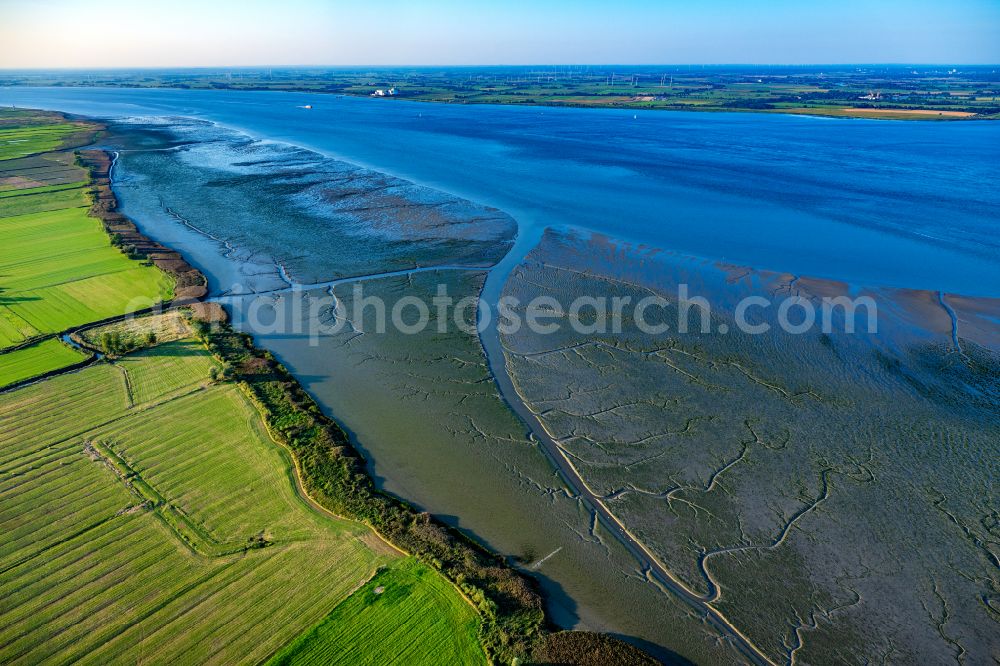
[(881, 203)]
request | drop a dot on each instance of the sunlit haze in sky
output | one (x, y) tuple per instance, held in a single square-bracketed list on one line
[(127, 33)]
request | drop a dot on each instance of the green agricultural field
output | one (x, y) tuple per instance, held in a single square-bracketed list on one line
[(35, 360), (440, 626), (15, 202), (91, 571), (147, 514), (60, 270), (21, 141), (164, 369)]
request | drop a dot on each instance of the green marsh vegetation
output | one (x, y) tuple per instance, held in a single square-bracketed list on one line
[(33, 360)]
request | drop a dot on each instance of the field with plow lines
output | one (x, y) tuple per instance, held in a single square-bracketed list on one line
[(227, 564)]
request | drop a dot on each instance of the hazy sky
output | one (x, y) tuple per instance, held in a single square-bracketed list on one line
[(137, 33)]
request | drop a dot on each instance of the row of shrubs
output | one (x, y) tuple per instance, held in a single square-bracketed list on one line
[(130, 250), (334, 474), (116, 343), (587, 648)]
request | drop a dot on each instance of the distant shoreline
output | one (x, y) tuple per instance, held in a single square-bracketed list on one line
[(890, 92), (831, 112)]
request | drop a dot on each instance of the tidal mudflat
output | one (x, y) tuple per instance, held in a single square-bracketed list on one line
[(285, 214), (428, 415), (831, 494)]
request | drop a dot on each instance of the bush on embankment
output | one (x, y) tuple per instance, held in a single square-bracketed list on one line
[(587, 648)]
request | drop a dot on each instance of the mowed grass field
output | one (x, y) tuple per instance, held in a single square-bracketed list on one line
[(228, 563), (89, 573), (158, 371), (35, 360), (30, 139), (58, 268), (440, 627)]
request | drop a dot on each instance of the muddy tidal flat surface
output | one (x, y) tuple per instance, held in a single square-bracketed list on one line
[(716, 496), (831, 494)]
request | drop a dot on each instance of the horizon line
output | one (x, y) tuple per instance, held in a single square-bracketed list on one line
[(480, 65)]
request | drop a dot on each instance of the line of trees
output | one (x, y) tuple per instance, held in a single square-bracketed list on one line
[(116, 343)]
